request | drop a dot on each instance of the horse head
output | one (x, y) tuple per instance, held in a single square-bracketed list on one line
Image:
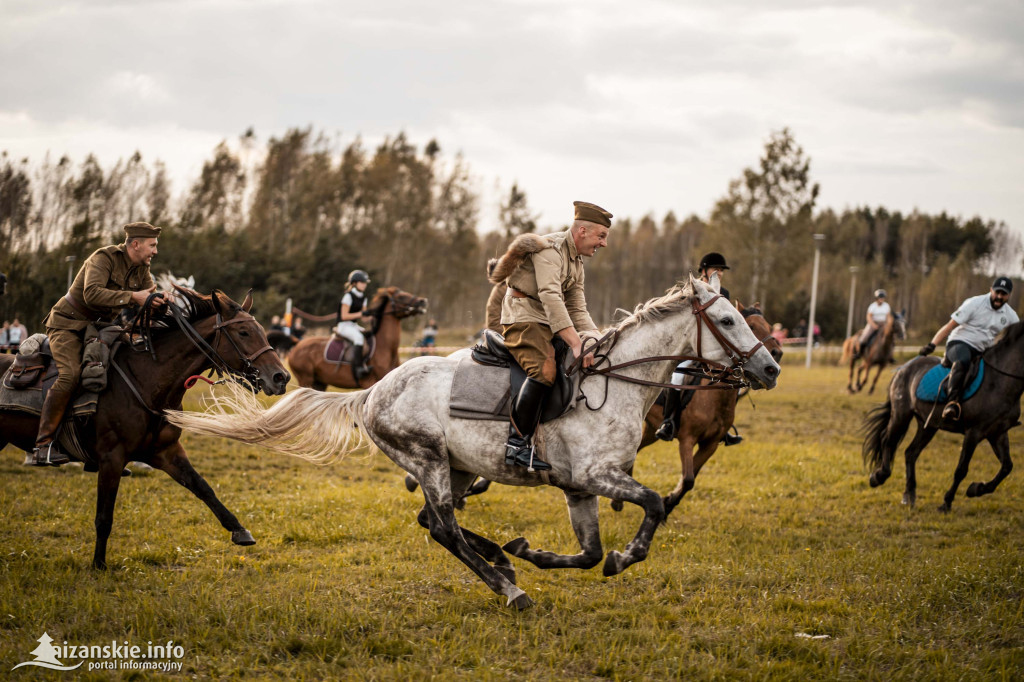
[(762, 329), (240, 343), (401, 304), (726, 338)]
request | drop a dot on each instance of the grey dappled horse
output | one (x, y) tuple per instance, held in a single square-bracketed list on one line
[(988, 415), (406, 415)]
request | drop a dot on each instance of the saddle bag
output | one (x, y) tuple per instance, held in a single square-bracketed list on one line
[(26, 371), (96, 357)]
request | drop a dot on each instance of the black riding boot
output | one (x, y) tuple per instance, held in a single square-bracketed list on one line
[(47, 452), (675, 402), (359, 367), (957, 378), (525, 415)]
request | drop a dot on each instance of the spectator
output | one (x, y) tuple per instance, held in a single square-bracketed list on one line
[(15, 335), (275, 323), (429, 338), (800, 331), (4, 336), (298, 331), (779, 333)]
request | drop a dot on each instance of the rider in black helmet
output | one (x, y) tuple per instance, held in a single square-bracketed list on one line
[(350, 311), (675, 401)]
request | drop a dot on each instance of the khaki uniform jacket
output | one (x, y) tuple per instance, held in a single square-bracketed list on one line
[(102, 286), (494, 304), (552, 280)]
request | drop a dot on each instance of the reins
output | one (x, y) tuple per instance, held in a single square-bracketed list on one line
[(722, 377)]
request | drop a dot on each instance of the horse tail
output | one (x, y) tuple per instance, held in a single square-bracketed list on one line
[(847, 351), (313, 425), (878, 438)]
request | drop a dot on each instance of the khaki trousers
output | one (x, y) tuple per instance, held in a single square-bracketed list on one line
[(530, 344)]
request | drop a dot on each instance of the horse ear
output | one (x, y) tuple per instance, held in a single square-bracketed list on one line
[(247, 303), (217, 305), (739, 306), (716, 283)]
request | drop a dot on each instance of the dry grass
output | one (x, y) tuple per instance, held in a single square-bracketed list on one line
[(781, 536)]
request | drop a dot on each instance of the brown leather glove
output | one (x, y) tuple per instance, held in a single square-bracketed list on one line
[(927, 349)]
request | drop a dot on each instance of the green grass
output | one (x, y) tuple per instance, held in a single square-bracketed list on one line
[(780, 536)]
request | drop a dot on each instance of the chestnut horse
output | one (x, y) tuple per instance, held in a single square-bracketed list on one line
[(388, 307), (875, 355), (129, 425), (706, 420)]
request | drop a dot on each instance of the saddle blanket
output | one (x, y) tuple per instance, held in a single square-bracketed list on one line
[(480, 391), (931, 388), (339, 350)]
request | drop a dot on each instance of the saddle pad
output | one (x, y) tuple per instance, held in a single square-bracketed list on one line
[(335, 349), (30, 401), (929, 387), (479, 391)]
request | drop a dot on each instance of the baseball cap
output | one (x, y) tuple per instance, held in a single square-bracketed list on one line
[(1003, 284)]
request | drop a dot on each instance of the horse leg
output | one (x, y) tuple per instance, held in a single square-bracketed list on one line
[(478, 488), (686, 475), (108, 480), (487, 549), (435, 481), (583, 516), (703, 454), (176, 464), (919, 443), (1001, 446), (618, 485), (849, 385), (651, 423), (971, 441), (875, 382), (899, 421)]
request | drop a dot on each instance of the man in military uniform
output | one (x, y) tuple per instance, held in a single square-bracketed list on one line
[(676, 400), (545, 297), (112, 278)]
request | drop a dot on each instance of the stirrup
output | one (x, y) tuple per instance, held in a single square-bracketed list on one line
[(54, 456), (952, 411), (514, 456), (667, 431)]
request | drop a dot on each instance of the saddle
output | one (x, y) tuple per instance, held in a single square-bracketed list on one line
[(932, 386), (486, 380), (341, 351)]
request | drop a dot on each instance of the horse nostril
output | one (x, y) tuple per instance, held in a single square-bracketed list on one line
[(280, 378), (771, 371)]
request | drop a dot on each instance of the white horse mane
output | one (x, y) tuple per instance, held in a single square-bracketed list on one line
[(166, 281), (674, 300)]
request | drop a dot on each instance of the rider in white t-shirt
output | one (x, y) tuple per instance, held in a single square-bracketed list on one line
[(971, 330), (878, 315), (352, 310)]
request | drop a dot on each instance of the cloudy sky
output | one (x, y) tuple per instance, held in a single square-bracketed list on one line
[(641, 106)]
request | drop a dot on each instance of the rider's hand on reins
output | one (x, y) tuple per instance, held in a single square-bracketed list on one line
[(927, 349)]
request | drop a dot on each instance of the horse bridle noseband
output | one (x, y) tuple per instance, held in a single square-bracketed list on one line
[(722, 377), (249, 373)]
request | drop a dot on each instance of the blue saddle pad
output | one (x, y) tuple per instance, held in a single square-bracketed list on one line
[(931, 382)]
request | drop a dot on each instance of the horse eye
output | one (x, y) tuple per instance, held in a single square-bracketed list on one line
[(727, 322), (243, 333)]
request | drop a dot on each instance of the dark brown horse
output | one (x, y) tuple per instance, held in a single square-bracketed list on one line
[(707, 418), (989, 415), (878, 354), (388, 307), (129, 424)]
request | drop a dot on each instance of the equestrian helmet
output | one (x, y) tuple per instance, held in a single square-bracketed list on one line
[(880, 293), (358, 276), (713, 260)]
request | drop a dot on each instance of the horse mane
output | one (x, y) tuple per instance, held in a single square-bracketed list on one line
[(675, 300), (1009, 335)]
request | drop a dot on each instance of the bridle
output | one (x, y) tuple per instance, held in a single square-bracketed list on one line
[(722, 377), (399, 309), (248, 373)]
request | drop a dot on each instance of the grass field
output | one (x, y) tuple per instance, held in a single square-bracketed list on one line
[(781, 564)]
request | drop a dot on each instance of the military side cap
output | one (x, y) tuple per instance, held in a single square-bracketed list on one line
[(141, 231), (592, 213)]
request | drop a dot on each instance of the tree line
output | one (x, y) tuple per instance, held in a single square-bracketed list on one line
[(291, 218)]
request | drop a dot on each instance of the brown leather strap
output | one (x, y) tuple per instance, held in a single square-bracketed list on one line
[(519, 294)]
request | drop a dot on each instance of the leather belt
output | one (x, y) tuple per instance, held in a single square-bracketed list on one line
[(519, 294), (82, 309)]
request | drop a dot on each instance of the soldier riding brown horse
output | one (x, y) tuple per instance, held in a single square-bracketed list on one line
[(129, 424)]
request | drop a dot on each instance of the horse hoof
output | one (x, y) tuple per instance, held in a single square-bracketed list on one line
[(909, 500), (460, 503), (508, 571), (522, 602), (617, 505), (877, 479), (517, 547), (99, 565), (944, 508), (411, 483), (613, 564), (976, 489), (242, 537)]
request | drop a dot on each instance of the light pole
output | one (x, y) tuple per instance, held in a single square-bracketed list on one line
[(70, 260), (853, 295), (818, 239)]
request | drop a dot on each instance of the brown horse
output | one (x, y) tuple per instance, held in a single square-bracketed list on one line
[(388, 307), (878, 354), (707, 418), (129, 424)]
